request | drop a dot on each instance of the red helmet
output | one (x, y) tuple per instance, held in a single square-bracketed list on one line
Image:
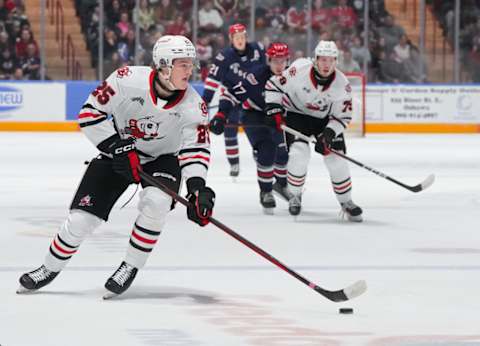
[(278, 50), (233, 29)]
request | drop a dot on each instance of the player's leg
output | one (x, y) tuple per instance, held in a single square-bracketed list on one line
[(341, 181), (280, 165), (153, 208), (261, 140), (298, 159), (231, 142), (98, 191)]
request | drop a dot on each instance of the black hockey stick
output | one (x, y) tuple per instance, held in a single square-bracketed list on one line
[(347, 293), (416, 188)]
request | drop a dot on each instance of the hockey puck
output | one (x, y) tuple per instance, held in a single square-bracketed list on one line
[(345, 311)]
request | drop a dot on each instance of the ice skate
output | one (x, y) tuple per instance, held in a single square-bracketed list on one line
[(35, 279), (282, 191), (268, 202), (120, 281), (352, 211), (234, 171), (295, 205)]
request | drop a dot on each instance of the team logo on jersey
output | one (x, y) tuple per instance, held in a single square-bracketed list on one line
[(292, 71), (124, 72), (144, 128), (348, 88), (203, 108), (86, 201), (320, 106)]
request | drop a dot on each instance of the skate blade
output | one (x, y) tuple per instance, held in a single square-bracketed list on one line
[(109, 296), (268, 211), (358, 218), (23, 290)]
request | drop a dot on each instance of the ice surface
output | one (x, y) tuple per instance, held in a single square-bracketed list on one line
[(419, 254)]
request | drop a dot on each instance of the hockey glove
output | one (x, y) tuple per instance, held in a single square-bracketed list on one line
[(125, 159), (217, 124), (202, 200), (325, 141), (275, 118)]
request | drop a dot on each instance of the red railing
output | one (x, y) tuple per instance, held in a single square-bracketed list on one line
[(74, 68)]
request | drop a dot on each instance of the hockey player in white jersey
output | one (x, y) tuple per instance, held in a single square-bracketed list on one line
[(314, 98), (158, 124)]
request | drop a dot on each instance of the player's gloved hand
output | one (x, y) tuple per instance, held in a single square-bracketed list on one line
[(217, 124), (201, 205), (325, 141), (275, 118), (125, 159)]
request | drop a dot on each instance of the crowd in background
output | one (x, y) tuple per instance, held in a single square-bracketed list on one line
[(19, 53), (469, 31), (391, 57)]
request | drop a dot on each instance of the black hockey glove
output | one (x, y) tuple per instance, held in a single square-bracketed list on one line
[(125, 159), (275, 117), (202, 200), (325, 141), (217, 124)]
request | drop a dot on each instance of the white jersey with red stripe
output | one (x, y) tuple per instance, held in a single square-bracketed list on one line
[(126, 104), (298, 91)]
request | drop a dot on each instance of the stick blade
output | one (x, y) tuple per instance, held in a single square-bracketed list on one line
[(356, 289), (425, 184), (350, 292)]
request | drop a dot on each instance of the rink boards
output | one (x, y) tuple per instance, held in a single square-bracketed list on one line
[(439, 108)]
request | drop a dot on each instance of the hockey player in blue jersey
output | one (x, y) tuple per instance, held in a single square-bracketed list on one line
[(247, 90), (225, 66)]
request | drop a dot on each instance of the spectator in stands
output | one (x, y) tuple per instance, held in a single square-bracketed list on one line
[(113, 13), (110, 43), (415, 66), (347, 64), (3, 11), (8, 63), (474, 56), (4, 41), (165, 13), (31, 63), (391, 33), (226, 7), (126, 48), (377, 11), (18, 74), (204, 54), (209, 18), (276, 20), (23, 41), (359, 52), (392, 70), (321, 16), (146, 16), (344, 15), (297, 19), (402, 49), (179, 27), (123, 26), (112, 64)]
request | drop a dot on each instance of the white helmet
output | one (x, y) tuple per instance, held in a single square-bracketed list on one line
[(326, 48), (170, 47)]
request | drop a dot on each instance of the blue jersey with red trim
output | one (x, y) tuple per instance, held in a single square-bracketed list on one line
[(246, 89), (226, 64)]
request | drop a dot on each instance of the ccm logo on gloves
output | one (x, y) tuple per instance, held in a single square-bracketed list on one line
[(125, 148)]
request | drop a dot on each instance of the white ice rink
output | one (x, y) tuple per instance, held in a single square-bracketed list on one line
[(419, 253)]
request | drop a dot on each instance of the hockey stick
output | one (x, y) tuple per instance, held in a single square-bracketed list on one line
[(347, 293), (416, 188)]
